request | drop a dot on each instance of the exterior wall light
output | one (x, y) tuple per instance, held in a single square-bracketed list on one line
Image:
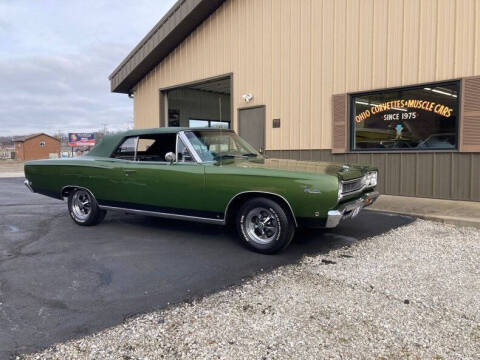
[(247, 97)]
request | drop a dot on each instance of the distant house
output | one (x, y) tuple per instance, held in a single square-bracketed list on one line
[(36, 146), (6, 151)]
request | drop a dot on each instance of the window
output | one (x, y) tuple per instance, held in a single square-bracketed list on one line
[(220, 124), (415, 118), (126, 150), (198, 123), (212, 145), (144, 144), (42, 143), (154, 147), (173, 117), (193, 123), (183, 154)]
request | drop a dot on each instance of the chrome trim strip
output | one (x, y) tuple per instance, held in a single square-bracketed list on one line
[(260, 192), (136, 149), (176, 147), (165, 215), (28, 184), (189, 146)]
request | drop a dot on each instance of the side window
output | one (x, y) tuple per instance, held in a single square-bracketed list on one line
[(183, 154), (126, 150), (154, 147), (144, 144)]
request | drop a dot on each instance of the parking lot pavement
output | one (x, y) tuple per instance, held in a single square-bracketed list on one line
[(59, 280)]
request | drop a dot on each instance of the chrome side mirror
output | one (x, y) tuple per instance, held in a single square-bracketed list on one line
[(170, 157)]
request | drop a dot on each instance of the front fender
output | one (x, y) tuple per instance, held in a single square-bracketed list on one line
[(313, 197)]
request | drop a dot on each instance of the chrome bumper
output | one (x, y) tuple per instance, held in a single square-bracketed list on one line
[(28, 185), (350, 209)]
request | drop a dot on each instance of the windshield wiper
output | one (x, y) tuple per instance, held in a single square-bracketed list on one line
[(250, 155)]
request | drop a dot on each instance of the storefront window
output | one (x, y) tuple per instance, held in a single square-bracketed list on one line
[(415, 118)]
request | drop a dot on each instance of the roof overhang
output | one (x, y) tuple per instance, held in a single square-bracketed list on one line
[(169, 32)]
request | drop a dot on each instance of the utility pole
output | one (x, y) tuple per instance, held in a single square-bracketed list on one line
[(104, 129)]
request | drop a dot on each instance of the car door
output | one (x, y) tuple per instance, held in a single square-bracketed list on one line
[(169, 187), (107, 176)]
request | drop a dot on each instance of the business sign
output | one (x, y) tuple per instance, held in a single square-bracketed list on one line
[(422, 117), (81, 139), (404, 105)]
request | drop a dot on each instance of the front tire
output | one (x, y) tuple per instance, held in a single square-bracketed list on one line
[(264, 226), (83, 208)]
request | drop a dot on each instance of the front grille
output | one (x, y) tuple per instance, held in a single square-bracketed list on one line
[(352, 185)]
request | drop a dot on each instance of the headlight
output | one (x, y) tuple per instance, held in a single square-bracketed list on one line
[(371, 179)]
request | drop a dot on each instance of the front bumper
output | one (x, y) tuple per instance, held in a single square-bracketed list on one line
[(350, 209)]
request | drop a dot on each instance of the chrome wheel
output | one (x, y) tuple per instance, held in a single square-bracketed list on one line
[(81, 205), (262, 225)]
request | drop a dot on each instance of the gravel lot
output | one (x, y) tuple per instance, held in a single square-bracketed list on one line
[(410, 293)]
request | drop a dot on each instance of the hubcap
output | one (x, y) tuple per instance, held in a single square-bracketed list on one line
[(261, 225), (81, 205)]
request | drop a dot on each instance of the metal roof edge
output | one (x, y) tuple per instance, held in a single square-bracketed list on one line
[(147, 37), (31, 136), (165, 36)]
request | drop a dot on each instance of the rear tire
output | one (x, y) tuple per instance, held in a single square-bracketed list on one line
[(264, 226), (84, 209)]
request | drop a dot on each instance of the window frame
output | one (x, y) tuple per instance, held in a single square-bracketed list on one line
[(183, 138), (351, 118), (179, 136)]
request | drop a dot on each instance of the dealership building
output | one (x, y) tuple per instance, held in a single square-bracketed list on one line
[(395, 83)]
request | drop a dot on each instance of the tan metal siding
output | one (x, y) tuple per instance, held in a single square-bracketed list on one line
[(293, 55)]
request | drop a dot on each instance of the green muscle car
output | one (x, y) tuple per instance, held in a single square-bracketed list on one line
[(207, 175)]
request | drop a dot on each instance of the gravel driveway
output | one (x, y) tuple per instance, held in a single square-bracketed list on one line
[(410, 293)]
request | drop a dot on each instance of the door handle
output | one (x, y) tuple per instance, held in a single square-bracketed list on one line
[(129, 171)]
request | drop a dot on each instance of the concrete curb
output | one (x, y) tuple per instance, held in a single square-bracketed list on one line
[(12, 174), (468, 222)]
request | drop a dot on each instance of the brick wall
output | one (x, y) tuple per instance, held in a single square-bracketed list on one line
[(31, 149)]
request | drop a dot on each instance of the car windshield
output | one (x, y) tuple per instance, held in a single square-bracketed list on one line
[(214, 145)]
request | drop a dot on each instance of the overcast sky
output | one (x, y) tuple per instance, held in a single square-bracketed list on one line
[(55, 58)]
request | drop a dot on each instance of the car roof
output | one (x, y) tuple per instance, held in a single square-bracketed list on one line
[(166, 130), (110, 142)]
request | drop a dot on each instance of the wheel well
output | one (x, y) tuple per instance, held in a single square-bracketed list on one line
[(67, 189), (240, 199)]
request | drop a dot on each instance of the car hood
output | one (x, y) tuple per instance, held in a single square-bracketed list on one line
[(342, 171)]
